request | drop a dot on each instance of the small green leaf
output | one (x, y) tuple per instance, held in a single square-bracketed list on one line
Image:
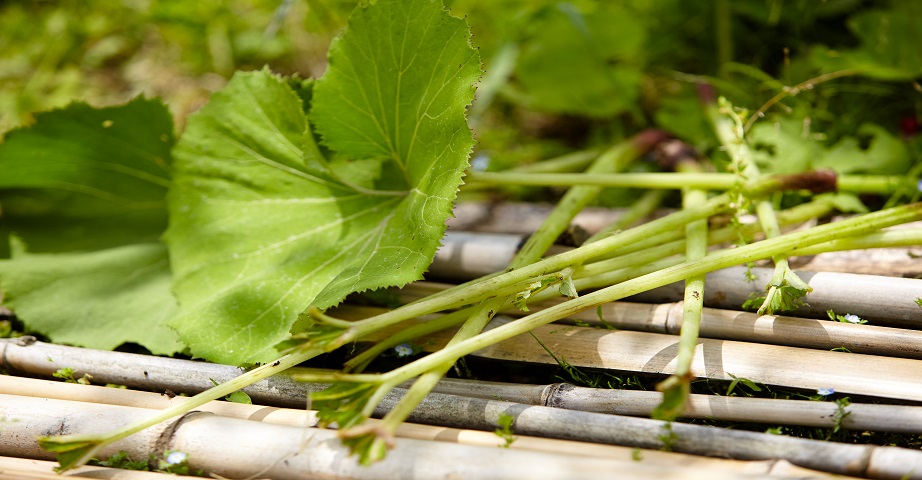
[(673, 404), (72, 451), (239, 397), (521, 298), (342, 403)]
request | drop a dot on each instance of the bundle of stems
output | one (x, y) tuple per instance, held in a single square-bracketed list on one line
[(355, 396)]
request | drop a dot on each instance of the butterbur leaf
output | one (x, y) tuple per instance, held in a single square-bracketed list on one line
[(83, 190), (96, 299), (264, 222), (82, 178)]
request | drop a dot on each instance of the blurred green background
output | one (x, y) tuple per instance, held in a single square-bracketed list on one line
[(560, 75)]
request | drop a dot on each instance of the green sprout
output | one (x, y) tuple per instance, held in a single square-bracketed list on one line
[(504, 431), (847, 318), (67, 374)]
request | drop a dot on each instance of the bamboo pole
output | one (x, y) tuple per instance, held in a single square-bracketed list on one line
[(858, 460), (750, 327), (451, 410), (728, 324), (143, 372), (888, 301), (307, 418), (861, 416), (883, 301), (237, 448)]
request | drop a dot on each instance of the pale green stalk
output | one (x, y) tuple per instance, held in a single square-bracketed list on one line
[(794, 215), (642, 208), (360, 361), (76, 449), (676, 388), (881, 184), (488, 288), (904, 237), (785, 288), (502, 65), (576, 199), (570, 162), (888, 239), (766, 248)]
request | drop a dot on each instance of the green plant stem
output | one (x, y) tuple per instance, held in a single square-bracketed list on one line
[(879, 184), (488, 287), (656, 258), (571, 162), (906, 237), (677, 387), (889, 239), (577, 198), (784, 289), (360, 361), (88, 445), (767, 248), (632, 256), (642, 208)]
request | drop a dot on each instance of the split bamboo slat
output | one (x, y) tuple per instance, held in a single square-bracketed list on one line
[(897, 378), (307, 418), (236, 448)]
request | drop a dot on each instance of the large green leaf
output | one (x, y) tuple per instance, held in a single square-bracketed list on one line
[(83, 190), (83, 178), (264, 225), (97, 299)]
